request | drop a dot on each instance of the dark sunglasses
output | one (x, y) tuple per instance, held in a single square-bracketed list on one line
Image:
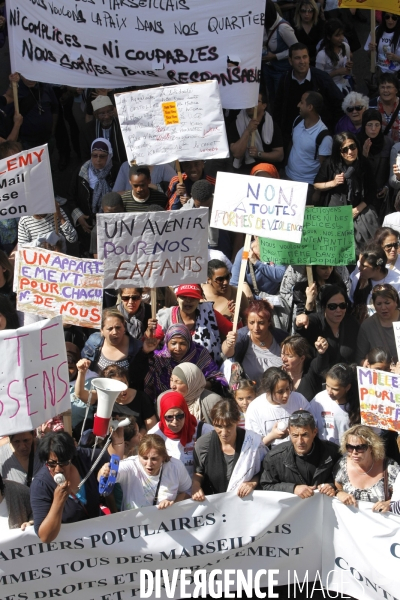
[(306, 419), (53, 463), (359, 448), (393, 17), (127, 298), (348, 149), (306, 10), (170, 418), (224, 278), (334, 306), (351, 109), (390, 246)]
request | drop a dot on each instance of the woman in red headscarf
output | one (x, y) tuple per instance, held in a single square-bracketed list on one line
[(179, 429)]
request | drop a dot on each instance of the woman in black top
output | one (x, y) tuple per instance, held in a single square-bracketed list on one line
[(308, 27)]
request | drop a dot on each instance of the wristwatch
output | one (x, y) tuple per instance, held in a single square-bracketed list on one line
[(259, 154)]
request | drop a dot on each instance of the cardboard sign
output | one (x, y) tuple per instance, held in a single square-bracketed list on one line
[(153, 249), (26, 185), (379, 398), (328, 239), (121, 43), (34, 380), (50, 284), (260, 206), (182, 122)]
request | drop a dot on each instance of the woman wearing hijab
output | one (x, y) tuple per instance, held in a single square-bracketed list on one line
[(179, 429), (95, 179), (188, 380), (179, 348), (376, 149)]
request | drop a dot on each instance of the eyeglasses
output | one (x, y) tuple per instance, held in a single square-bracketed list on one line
[(224, 278), (99, 155), (351, 109), (133, 298), (334, 306), (390, 246), (359, 448), (170, 418), (349, 148), (306, 10), (53, 463), (393, 17)]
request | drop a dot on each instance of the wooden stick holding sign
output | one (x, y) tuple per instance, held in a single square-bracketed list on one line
[(180, 179), (153, 300), (373, 41), (310, 277), (15, 94), (243, 265)]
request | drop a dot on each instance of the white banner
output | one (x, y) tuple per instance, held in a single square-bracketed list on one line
[(34, 380), (119, 43), (353, 551), (26, 185), (182, 122), (153, 249), (269, 208)]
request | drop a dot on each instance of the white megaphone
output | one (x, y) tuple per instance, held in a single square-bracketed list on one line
[(108, 391)]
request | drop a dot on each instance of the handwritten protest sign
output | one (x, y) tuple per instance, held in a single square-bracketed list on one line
[(391, 6), (34, 381), (182, 122), (50, 284), (259, 206), (328, 239), (379, 398), (122, 43), (396, 329), (26, 186), (153, 249)]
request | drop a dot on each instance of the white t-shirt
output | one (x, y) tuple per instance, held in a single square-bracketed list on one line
[(392, 220), (385, 46), (139, 488), (324, 63), (331, 418), (175, 448), (257, 360), (261, 415), (392, 277), (4, 516)]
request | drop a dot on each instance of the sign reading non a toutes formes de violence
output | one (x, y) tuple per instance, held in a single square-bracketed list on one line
[(328, 239), (154, 249)]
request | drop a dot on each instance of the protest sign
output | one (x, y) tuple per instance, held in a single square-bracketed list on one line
[(391, 6), (122, 43), (50, 284), (26, 186), (396, 329), (183, 122), (153, 249), (328, 239), (123, 556), (379, 393), (33, 376), (261, 206)]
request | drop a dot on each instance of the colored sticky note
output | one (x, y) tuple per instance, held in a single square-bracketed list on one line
[(170, 112)]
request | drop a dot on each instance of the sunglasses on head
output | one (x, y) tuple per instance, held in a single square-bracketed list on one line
[(134, 298), (170, 418), (359, 448), (348, 148), (306, 419), (351, 109), (54, 463), (224, 278), (334, 306), (389, 16), (390, 246)]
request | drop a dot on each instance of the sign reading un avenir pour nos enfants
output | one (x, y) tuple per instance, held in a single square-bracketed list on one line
[(328, 239), (153, 249), (260, 206)]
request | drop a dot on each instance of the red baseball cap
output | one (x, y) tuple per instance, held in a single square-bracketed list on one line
[(190, 291)]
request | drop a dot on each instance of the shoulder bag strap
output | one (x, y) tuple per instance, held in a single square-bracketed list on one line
[(155, 499), (30, 465), (271, 34), (392, 120)]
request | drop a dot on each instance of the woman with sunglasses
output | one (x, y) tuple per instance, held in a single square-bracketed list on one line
[(364, 473), (305, 297), (179, 429), (333, 324), (136, 313), (387, 44), (308, 27), (218, 290), (345, 179), (354, 105), (377, 331), (388, 239), (56, 503)]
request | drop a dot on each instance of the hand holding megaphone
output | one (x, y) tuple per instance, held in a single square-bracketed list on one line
[(59, 478)]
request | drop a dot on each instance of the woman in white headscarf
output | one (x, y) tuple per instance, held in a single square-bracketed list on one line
[(188, 380), (95, 179)]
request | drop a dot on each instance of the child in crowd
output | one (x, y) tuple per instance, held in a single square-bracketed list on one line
[(244, 392)]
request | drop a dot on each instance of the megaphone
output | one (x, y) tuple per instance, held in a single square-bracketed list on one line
[(108, 391)]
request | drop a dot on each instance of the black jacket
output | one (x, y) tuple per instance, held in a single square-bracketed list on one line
[(280, 472)]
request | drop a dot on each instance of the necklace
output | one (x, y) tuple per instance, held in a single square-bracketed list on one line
[(370, 469), (37, 100)]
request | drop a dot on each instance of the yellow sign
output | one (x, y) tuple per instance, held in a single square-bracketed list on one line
[(392, 6), (170, 112)]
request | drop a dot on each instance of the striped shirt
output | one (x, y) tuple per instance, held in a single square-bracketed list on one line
[(29, 229), (132, 205)]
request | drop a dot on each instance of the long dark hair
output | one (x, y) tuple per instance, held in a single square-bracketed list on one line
[(381, 29), (271, 12), (338, 141), (347, 375), (330, 27), (9, 313)]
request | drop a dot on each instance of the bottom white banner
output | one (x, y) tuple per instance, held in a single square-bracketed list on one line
[(215, 547)]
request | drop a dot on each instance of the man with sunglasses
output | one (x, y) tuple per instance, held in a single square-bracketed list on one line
[(303, 464)]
